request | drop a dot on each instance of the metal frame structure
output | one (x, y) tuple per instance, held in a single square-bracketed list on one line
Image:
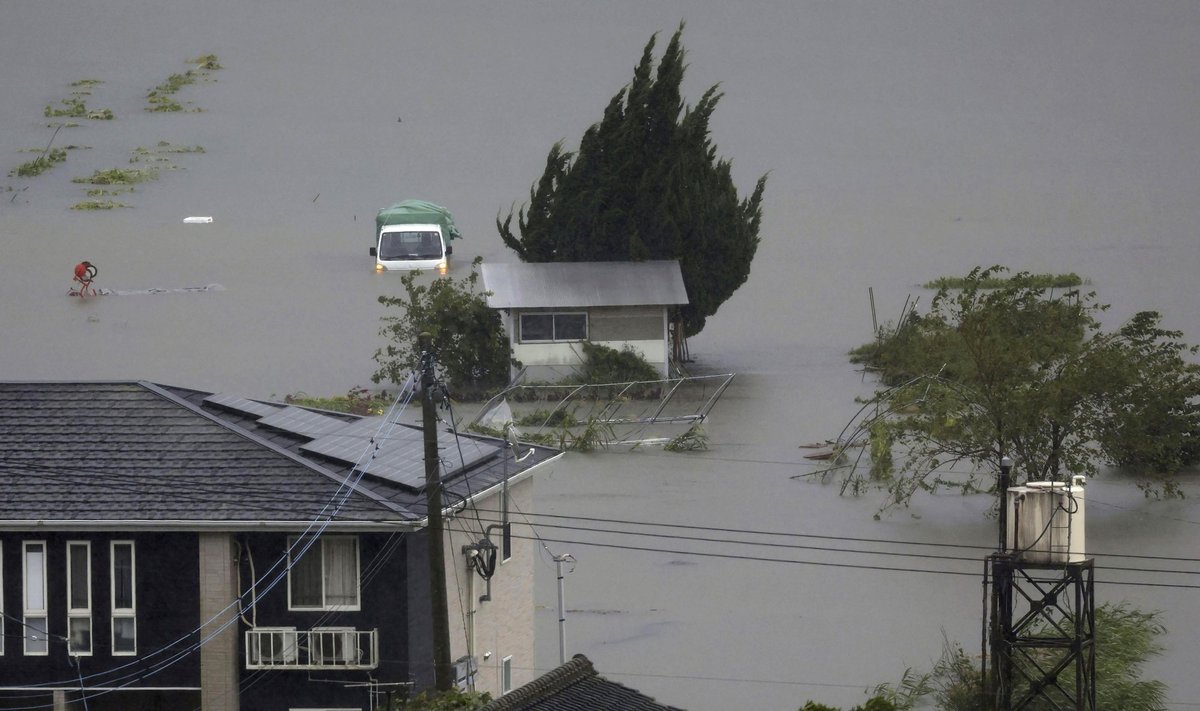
[(1043, 634)]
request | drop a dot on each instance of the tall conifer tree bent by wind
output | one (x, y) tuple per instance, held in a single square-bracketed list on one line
[(646, 183)]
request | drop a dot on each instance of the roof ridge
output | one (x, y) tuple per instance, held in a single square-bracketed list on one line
[(548, 684)]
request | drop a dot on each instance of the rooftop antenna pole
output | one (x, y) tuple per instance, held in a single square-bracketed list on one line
[(443, 678)]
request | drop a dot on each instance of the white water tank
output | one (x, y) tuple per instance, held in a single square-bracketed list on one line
[(1045, 521)]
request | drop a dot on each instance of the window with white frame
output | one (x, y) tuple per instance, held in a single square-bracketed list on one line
[(33, 568), (548, 327), (506, 684), (79, 598), (124, 599), (325, 577)]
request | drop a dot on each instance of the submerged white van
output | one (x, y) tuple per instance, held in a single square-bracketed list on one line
[(414, 234)]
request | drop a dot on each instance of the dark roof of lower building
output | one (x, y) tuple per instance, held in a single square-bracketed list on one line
[(575, 686), (86, 453)]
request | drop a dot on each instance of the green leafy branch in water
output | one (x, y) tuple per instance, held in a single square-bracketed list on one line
[(98, 205), (119, 176), (357, 401), (75, 106), (39, 165), (162, 97), (694, 440)]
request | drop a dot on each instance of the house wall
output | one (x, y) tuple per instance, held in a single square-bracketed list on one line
[(503, 626), (642, 328), (383, 607), (166, 583)]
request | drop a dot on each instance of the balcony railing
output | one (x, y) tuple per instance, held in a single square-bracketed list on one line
[(319, 648)]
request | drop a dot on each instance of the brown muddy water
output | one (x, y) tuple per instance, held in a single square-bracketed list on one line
[(904, 141)]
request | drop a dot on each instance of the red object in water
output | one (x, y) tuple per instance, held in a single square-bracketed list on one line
[(85, 272)]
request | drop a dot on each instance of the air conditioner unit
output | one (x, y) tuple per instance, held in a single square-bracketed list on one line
[(333, 646), (273, 646), (1045, 521)]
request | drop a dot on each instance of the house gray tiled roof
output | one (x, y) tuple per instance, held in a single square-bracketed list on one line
[(583, 284), (88, 453), (575, 686)]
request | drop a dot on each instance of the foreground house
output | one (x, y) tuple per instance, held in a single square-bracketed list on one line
[(575, 686), (550, 308), (166, 548)]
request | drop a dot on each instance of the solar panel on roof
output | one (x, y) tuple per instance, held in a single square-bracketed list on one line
[(398, 454), (352, 443), (241, 404), (299, 421)]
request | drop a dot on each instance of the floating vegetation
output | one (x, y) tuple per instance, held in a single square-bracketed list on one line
[(76, 107), (73, 106), (358, 401), (161, 98), (207, 62), (86, 83), (160, 151), (119, 176), (97, 205), (41, 164), (103, 192), (1036, 281)]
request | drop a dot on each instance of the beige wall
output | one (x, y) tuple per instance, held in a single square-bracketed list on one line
[(218, 656), (504, 625)]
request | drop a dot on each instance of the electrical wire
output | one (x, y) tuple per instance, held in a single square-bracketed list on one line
[(842, 539)]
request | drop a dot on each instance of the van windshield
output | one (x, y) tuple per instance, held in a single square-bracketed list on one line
[(409, 245)]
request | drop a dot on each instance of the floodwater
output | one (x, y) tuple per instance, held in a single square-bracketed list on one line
[(904, 141)]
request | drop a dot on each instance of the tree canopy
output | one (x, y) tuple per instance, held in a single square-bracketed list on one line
[(1024, 372), (646, 183), (468, 339)]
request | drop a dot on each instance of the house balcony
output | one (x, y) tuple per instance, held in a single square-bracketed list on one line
[(324, 648)]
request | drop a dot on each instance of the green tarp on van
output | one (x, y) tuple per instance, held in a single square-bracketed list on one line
[(417, 212)]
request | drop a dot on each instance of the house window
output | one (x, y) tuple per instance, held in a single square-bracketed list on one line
[(544, 327), (124, 599), (506, 675), (79, 597), (326, 576), (34, 576)]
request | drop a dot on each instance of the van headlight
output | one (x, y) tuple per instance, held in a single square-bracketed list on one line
[(443, 267)]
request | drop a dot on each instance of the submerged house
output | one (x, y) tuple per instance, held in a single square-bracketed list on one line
[(168, 548), (550, 308)]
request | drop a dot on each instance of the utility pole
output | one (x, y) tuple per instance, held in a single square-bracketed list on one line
[(562, 607), (443, 678)]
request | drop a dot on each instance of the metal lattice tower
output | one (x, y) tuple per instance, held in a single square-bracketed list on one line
[(1043, 634)]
